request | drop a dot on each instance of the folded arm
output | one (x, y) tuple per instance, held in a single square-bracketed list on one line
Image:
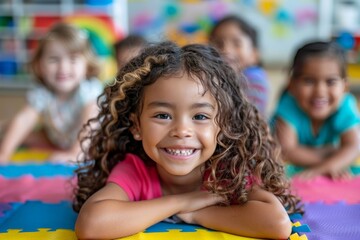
[(109, 214), (337, 163), (292, 151), (263, 216)]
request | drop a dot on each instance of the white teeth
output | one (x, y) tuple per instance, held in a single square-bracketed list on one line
[(180, 152)]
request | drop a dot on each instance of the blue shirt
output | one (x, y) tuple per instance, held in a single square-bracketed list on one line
[(344, 118), (258, 87)]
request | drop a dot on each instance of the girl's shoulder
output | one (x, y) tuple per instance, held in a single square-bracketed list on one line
[(89, 90), (347, 114), (39, 96)]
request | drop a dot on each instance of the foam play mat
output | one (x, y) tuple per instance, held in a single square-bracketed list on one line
[(36, 195)]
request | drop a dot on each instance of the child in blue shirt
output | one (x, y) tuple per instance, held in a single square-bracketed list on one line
[(316, 120), (238, 43)]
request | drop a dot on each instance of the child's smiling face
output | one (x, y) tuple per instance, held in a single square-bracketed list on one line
[(177, 124), (235, 46), (62, 70), (320, 88)]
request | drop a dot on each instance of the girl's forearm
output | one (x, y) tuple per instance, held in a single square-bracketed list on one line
[(342, 158), (302, 156), (111, 219), (253, 219)]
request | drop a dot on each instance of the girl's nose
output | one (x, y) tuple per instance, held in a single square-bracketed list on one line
[(226, 49), (320, 88), (64, 65), (181, 129)]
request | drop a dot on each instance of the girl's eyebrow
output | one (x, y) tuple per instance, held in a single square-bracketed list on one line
[(203, 105), (169, 105)]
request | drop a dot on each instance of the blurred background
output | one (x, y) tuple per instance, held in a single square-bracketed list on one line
[(282, 26)]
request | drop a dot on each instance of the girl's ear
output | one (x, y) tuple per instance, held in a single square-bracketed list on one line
[(135, 128)]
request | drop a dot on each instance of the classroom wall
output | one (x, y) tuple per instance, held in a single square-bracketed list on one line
[(282, 26)]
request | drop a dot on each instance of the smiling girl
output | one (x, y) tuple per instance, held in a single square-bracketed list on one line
[(64, 98), (178, 140), (317, 120)]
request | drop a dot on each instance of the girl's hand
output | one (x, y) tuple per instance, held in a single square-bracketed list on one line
[(335, 174), (198, 200), (340, 174), (63, 157), (186, 217), (310, 173)]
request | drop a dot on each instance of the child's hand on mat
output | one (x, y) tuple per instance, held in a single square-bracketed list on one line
[(196, 201), (335, 174), (63, 157)]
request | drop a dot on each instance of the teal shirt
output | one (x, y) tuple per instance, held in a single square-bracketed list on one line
[(344, 118)]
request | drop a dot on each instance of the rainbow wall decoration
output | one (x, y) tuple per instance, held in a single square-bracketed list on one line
[(100, 29), (103, 35)]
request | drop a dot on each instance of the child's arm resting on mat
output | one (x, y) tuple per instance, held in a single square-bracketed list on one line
[(337, 163), (109, 214), (20, 127), (263, 216), (292, 151)]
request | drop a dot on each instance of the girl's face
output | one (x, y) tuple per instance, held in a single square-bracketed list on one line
[(320, 87), (62, 70), (235, 46), (177, 125)]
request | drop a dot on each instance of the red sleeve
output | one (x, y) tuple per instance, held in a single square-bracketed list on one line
[(140, 182)]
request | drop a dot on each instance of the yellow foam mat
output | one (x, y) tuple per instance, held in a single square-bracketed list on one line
[(62, 234), (30, 155)]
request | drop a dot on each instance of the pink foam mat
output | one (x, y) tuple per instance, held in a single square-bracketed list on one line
[(27, 187), (327, 190)]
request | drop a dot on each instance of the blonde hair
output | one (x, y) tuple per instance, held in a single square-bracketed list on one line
[(75, 40)]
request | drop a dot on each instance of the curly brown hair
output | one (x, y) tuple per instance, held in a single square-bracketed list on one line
[(245, 146)]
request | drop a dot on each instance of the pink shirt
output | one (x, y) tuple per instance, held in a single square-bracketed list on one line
[(139, 181)]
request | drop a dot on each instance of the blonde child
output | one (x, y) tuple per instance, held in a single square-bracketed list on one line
[(238, 42), (178, 139), (127, 48), (317, 120), (65, 69)]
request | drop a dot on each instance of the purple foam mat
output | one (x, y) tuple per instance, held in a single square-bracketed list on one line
[(338, 221)]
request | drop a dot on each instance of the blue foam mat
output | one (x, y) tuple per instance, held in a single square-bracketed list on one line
[(36, 169), (32, 215)]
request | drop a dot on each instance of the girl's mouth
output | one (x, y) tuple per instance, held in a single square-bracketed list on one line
[(179, 152)]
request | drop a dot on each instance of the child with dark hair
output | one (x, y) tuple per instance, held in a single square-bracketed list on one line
[(177, 139), (317, 120), (237, 41), (127, 48)]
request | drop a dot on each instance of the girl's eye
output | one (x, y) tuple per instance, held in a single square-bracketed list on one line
[(163, 116), (53, 59), (331, 81), (308, 81), (73, 58), (200, 117)]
